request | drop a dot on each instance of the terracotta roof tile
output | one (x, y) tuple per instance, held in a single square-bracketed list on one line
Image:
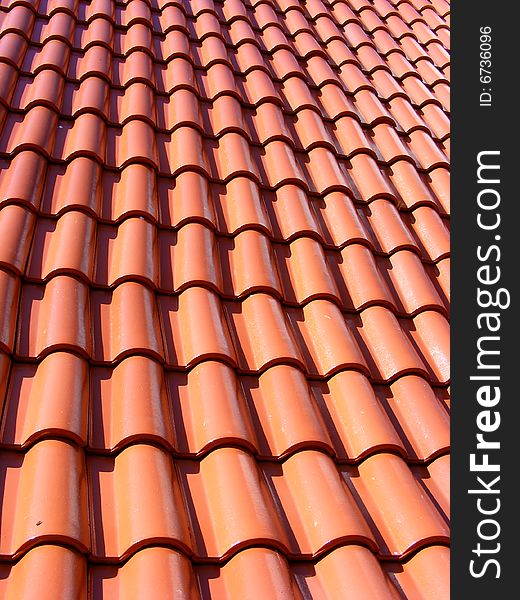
[(60, 384), (224, 299)]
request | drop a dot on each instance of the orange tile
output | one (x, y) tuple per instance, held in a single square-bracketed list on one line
[(262, 333), (280, 164), (351, 136), (36, 481), (165, 569), (185, 148), (117, 333), (412, 282), (189, 257), (188, 340), (100, 30), (252, 573), (305, 271), (36, 130), (63, 246), (136, 498), (327, 338), (308, 482), (48, 399), (92, 95), (137, 143), (361, 426), (364, 281), (128, 250), (136, 66), (78, 185), (368, 178), (311, 130), (416, 577), (137, 101), (441, 272), (19, 18), (45, 571), (186, 199), (388, 346), (366, 577), (430, 231), (268, 123), (389, 144), (428, 153), (369, 107), (233, 157), (248, 56), (210, 409), (242, 206), (87, 135), (341, 219), (326, 173), (422, 419), (284, 64), (16, 230), (288, 416), (439, 181), (226, 115), (181, 109), (391, 494), (133, 192), (320, 71), (54, 316), (46, 88), (249, 265), (218, 81), (409, 184), (27, 181), (12, 47), (387, 224), (231, 502), (297, 94), (293, 214), (136, 391), (437, 480), (431, 333)]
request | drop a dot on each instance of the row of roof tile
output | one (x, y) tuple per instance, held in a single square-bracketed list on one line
[(399, 20), (84, 184), (354, 277), (265, 33), (253, 573), (225, 502), (264, 123), (211, 406), (248, 81), (64, 315)]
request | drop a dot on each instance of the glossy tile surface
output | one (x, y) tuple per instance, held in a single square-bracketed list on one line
[(224, 299)]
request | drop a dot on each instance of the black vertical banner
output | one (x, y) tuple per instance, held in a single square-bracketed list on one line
[(485, 320)]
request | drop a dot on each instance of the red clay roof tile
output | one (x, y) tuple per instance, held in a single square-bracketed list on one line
[(45, 570), (119, 391), (36, 480), (224, 299), (210, 409), (47, 399), (115, 332), (16, 229)]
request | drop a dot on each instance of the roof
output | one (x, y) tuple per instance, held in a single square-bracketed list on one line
[(224, 295)]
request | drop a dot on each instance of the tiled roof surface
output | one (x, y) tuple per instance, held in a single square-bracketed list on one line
[(224, 299)]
